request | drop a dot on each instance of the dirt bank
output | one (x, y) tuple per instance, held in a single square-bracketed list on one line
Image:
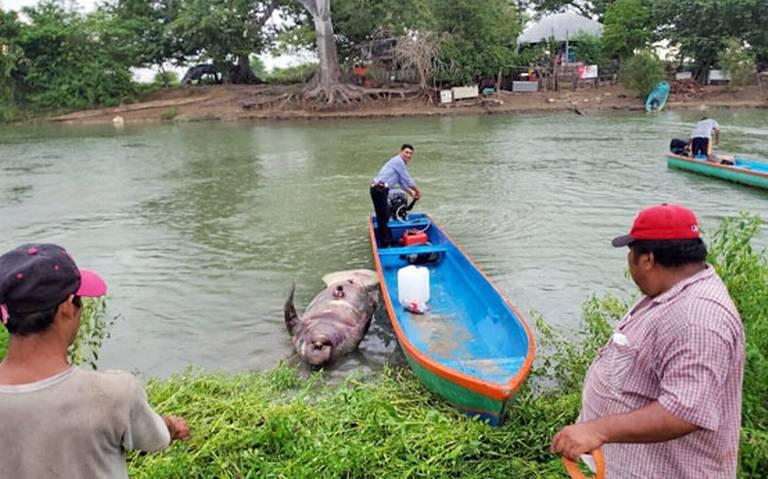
[(236, 102)]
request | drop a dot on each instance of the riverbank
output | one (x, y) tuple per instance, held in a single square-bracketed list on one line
[(277, 423), (263, 102)]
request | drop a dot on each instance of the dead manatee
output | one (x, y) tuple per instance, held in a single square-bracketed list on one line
[(336, 320)]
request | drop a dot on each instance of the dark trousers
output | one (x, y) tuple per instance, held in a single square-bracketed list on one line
[(379, 195), (700, 146)]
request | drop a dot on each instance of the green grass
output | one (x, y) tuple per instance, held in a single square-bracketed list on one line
[(276, 424)]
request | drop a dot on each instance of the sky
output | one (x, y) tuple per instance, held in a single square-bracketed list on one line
[(146, 74)]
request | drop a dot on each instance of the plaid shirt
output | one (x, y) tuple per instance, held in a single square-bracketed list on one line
[(685, 350)]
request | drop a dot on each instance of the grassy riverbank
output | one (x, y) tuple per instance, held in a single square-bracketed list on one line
[(278, 424)]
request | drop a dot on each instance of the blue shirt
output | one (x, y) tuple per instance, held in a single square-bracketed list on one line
[(394, 172)]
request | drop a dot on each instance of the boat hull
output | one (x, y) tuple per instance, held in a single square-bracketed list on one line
[(660, 93), (736, 174), (473, 348)]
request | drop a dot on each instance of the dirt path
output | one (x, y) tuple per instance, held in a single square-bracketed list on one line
[(237, 102)]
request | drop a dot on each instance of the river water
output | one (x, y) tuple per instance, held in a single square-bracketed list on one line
[(199, 229)]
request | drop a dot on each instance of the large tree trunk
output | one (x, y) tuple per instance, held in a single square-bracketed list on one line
[(241, 73), (327, 85)]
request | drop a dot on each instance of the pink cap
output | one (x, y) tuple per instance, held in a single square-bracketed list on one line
[(91, 284)]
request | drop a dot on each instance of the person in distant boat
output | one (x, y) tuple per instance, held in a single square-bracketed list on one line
[(701, 137), (663, 397), (394, 172), (59, 420)]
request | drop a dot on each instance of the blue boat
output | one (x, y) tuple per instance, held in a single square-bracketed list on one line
[(472, 347), (657, 99), (748, 172)]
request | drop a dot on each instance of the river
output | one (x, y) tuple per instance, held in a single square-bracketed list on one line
[(200, 228)]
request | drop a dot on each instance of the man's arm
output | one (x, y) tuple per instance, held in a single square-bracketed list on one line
[(717, 136), (651, 423)]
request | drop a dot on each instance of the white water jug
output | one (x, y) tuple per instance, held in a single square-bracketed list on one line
[(413, 286)]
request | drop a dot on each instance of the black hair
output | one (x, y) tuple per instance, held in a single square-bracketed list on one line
[(30, 323), (704, 118), (672, 253), (36, 322), (406, 145)]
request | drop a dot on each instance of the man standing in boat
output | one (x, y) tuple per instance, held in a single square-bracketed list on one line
[(701, 137), (394, 172), (663, 397)]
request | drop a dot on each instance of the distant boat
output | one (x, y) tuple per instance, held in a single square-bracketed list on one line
[(472, 347), (748, 172), (657, 99)]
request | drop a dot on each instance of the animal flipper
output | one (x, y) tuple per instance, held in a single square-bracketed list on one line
[(291, 318)]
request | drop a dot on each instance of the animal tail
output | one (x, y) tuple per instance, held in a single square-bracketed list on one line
[(291, 318)]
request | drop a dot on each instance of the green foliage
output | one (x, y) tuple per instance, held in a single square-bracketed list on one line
[(166, 78), (94, 330), (71, 61), (737, 61), (699, 28), (642, 72), (226, 31), (481, 38), (3, 341), (627, 28), (289, 75)]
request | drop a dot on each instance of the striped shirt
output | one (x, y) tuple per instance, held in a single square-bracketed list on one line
[(685, 349), (394, 172)]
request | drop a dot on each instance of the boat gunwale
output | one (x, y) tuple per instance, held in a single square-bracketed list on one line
[(733, 168), (494, 391)]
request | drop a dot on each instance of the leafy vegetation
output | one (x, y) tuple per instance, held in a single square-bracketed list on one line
[(642, 72), (737, 61)]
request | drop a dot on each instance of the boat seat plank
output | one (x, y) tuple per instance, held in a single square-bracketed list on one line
[(405, 250)]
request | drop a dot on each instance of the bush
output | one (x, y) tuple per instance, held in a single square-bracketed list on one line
[(642, 72), (736, 60), (166, 78)]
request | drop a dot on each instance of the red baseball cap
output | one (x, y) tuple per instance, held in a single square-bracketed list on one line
[(661, 222)]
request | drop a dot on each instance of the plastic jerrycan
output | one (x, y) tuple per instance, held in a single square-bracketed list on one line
[(413, 286)]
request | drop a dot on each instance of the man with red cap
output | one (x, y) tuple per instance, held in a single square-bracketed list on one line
[(663, 397), (59, 420)]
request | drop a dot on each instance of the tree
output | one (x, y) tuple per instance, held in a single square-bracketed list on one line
[(627, 28), (10, 58), (642, 72), (326, 84), (227, 31), (736, 60), (73, 61), (699, 28), (481, 38)]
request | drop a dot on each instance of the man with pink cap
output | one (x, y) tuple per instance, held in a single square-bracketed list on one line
[(59, 420), (663, 397)]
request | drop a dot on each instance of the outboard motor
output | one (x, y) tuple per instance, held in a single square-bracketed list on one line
[(398, 205)]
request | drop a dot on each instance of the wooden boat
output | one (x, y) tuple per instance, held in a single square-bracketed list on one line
[(658, 96), (472, 347), (749, 172)]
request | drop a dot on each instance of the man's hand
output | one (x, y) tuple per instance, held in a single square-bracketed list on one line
[(575, 440), (177, 426)]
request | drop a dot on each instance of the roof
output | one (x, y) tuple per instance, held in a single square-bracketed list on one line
[(560, 26)]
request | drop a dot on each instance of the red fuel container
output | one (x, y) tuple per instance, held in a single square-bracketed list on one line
[(413, 237)]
